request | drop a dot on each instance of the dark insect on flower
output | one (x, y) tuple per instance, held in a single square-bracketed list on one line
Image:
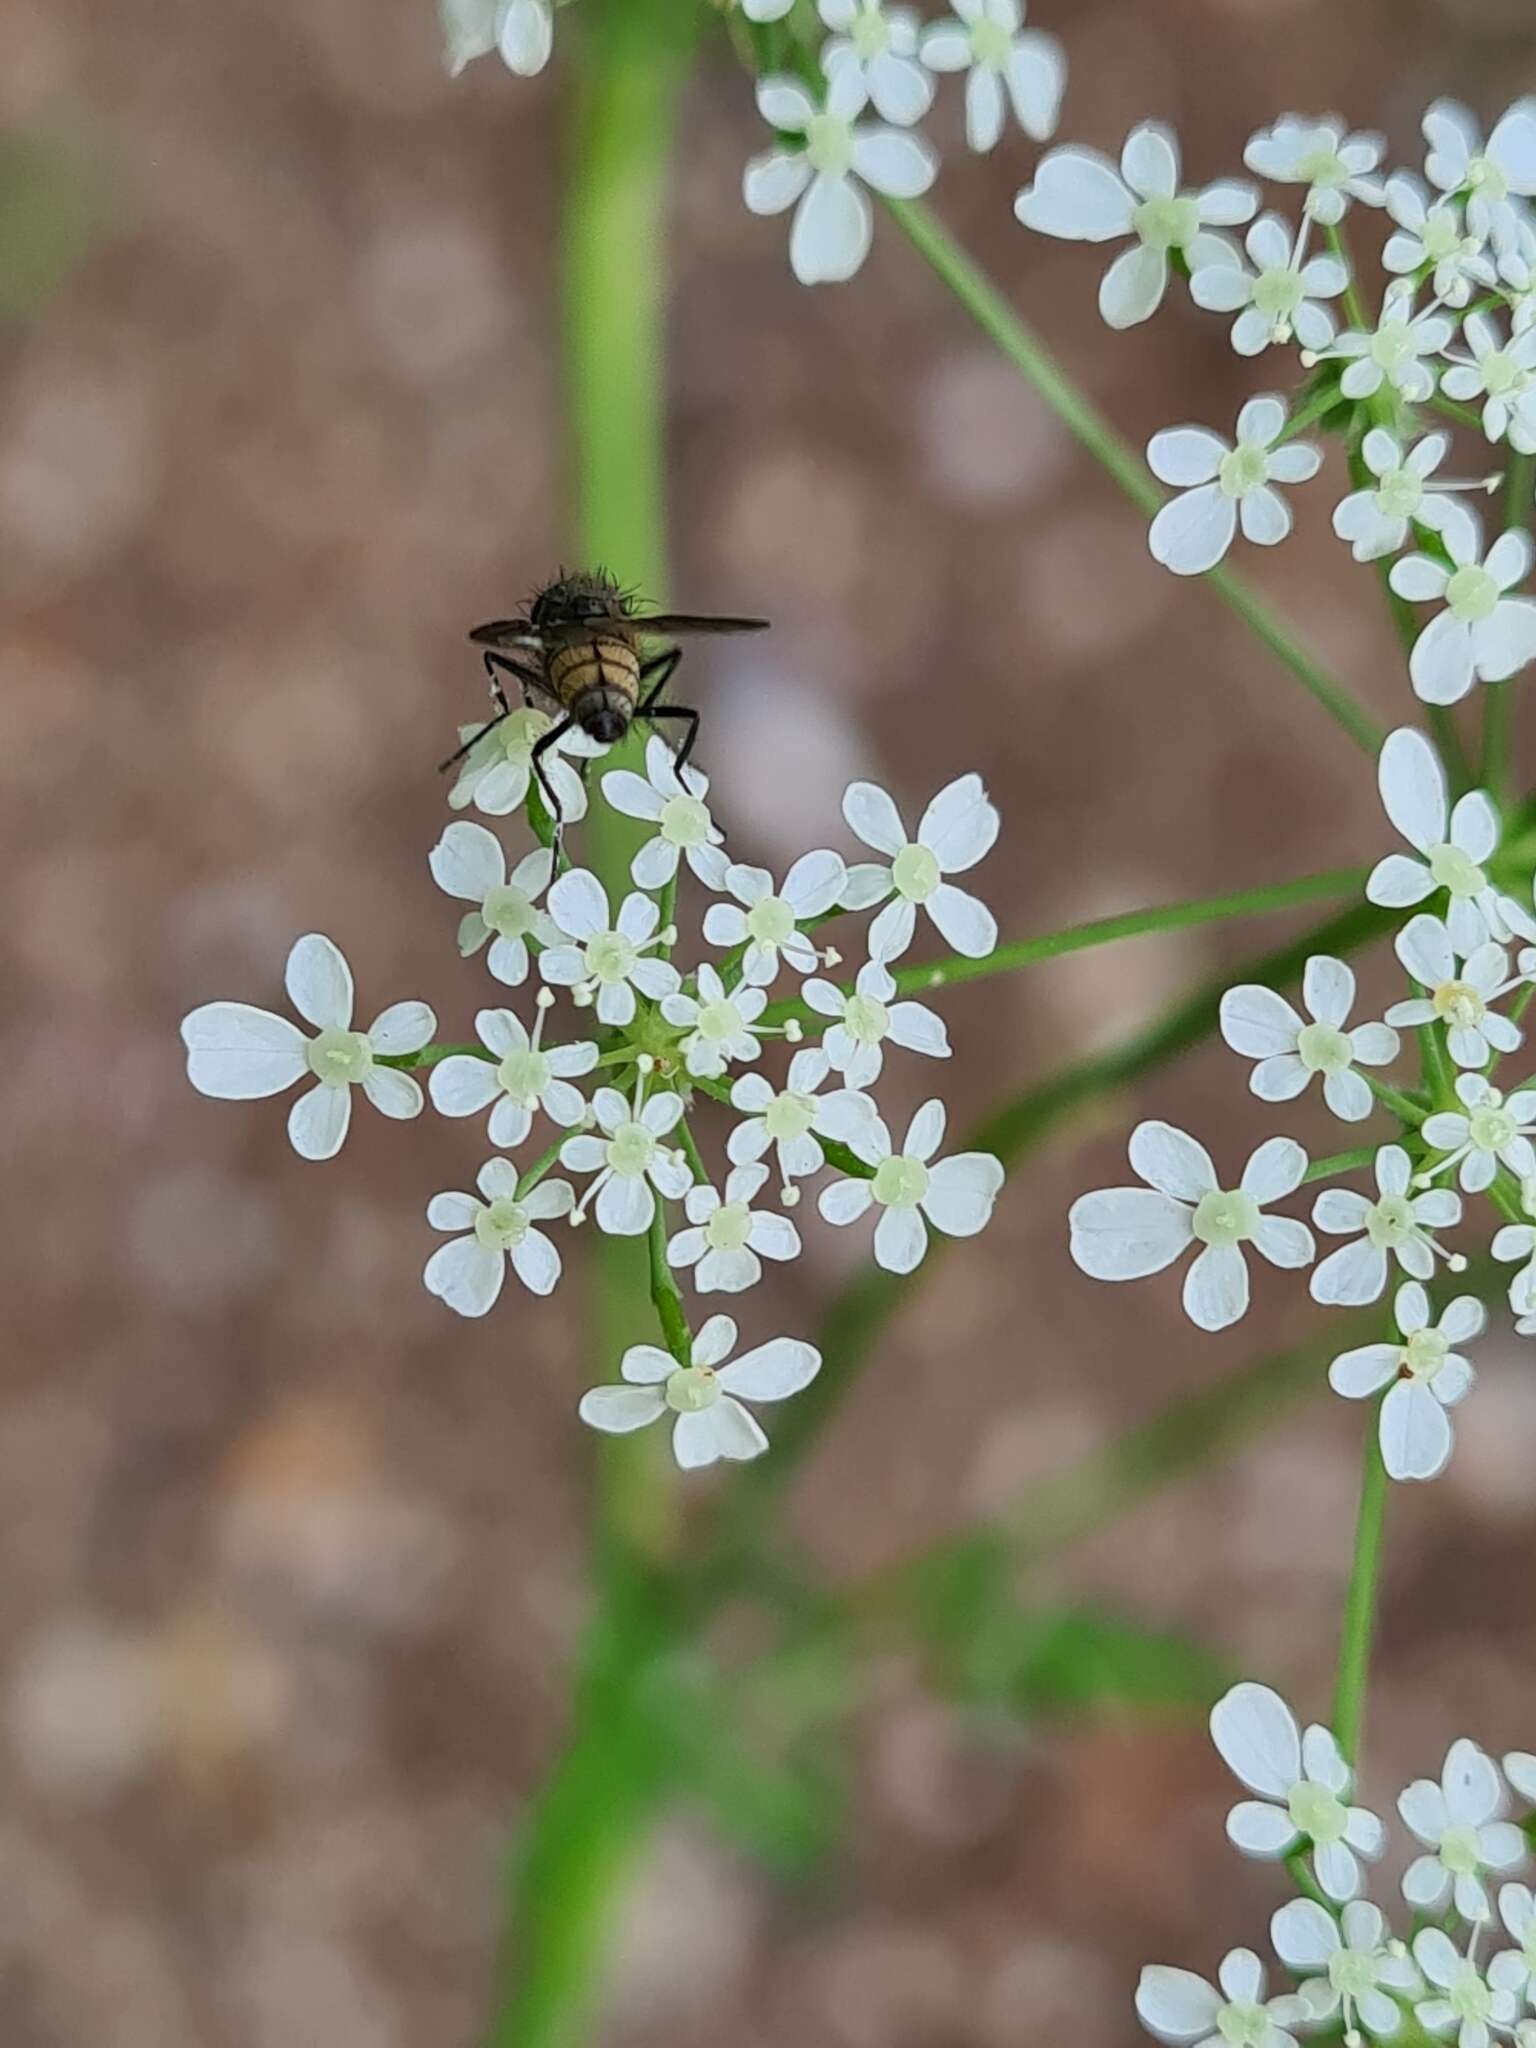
[(577, 651)]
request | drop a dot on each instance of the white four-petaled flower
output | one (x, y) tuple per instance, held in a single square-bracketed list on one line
[(498, 769), (721, 1024), (468, 862), (1350, 1966), (1263, 1026), (1397, 1225), (1491, 173), (880, 44), (1220, 484), (1394, 351), (1127, 1233), (705, 1396), (956, 830), (1431, 232), (767, 921), (1375, 520), (1457, 996), (1458, 1821), (521, 1076), (467, 1272), (1333, 166), (1003, 62), (1488, 1131), (794, 1118), (610, 959), (1424, 1376), (629, 1160), (1080, 197), (239, 1053), (1180, 2007), (1303, 1784), (676, 807), (867, 1017), (820, 178), (1280, 297), (1454, 845), (727, 1238), (955, 1195), (1483, 634), (1470, 2005)]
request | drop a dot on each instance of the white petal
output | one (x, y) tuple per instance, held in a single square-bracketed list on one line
[(1265, 517), (891, 933), (1257, 1022), (898, 164), (724, 1430), (1171, 1161), (617, 1410), (1506, 642), (1132, 288), (1424, 948), (832, 232), (1256, 1736), (453, 1211), (844, 1201), (239, 1054), (1328, 990), (1149, 162), (1415, 1433), (962, 921), (319, 983), (1353, 1275), (625, 1206), (1398, 882), (1127, 1233), (901, 1238), (392, 1093), (772, 182), (1337, 1870), (872, 817), (1185, 456), (1280, 1079), (961, 1193), (527, 37), (1305, 1937), (784, 103), (1176, 2004), (1284, 1242), (1261, 1830), (985, 109), (1441, 663), (462, 1085), (467, 1275), (403, 1027), (1216, 1288), (1274, 1171), (1076, 194), (1364, 1371), (1471, 1784), (1419, 579), (578, 903), (960, 825), (1037, 76), (772, 1371), (467, 862), (1193, 531), (317, 1123)]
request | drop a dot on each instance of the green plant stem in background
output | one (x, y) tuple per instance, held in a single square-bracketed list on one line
[(1360, 1601), (590, 1819), (1028, 355), (1497, 701)]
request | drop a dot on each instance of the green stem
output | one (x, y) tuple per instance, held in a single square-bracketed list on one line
[(666, 1296), (1497, 698), (691, 1153), (997, 319), (1104, 931), (1360, 1601), (1341, 1162)]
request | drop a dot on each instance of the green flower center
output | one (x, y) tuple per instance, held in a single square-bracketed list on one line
[(1454, 871), (1389, 1222), (770, 921), (338, 1058), (719, 1022), (610, 957), (900, 1182), (1322, 1050), (1490, 1127), (828, 145), (915, 872), (1277, 294), (1441, 235), (1468, 1996), (685, 821), (1243, 469), (728, 1227), (1317, 1812), (524, 1075), (789, 1116), (1471, 594), (1323, 166), (631, 1149), (502, 1223), (1424, 1354), (1460, 1851), (1225, 1217), (1391, 344), (1484, 175), (518, 733), (1165, 224), (1243, 2024), (1400, 493), (691, 1388), (1500, 373), (1352, 1972), (507, 911), (991, 44), (1459, 1003), (866, 1020), (870, 33)]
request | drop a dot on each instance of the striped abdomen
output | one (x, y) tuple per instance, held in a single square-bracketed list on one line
[(603, 665)]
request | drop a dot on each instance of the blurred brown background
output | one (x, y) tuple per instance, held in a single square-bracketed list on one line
[(291, 1561)]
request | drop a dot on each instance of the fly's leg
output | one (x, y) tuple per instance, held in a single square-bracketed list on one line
[(682, 714), (658, 672), (493, 662), (547, 788)]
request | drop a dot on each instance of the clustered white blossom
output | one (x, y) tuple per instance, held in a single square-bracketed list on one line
[(1349, 1971), (620, 1042)]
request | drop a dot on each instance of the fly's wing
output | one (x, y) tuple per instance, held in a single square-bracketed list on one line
[(673, 625), (515, 634)]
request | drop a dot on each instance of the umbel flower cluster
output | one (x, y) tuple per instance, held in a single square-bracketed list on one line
[(601, 1039), (1351, 1973)]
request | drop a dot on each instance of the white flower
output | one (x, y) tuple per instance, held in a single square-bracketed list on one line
[(1503, 376), (729, 1238), (1433, 232), (793, 1118), (767, 922), (1279, 297), (1333, 166), (467, 1272), (955, 832), (684, 827), (879, 44), (721, 1027), (1358, 1967), (520, 1077), (1488, 1130), (1127, 1233), (523, 30), (628, 1160), (468, 862), (833, 220), (1304, 1786), (1470, 2005), (608, 960), (1458, 1822), (1460, 161), (955, 1195), (1180, 2007), (867, 1018), (1079, 197), (983, 39), (1262, 1026), (1219, 484), (1423, 1376), (498, 769), (1458, 999), (1393, 351), (1376, 520), (1396, 1222), (705, 1395), (1454, 844), (239, 1053), (1483, 635)]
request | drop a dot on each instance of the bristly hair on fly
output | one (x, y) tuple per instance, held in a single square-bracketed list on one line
[(598, 581)]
